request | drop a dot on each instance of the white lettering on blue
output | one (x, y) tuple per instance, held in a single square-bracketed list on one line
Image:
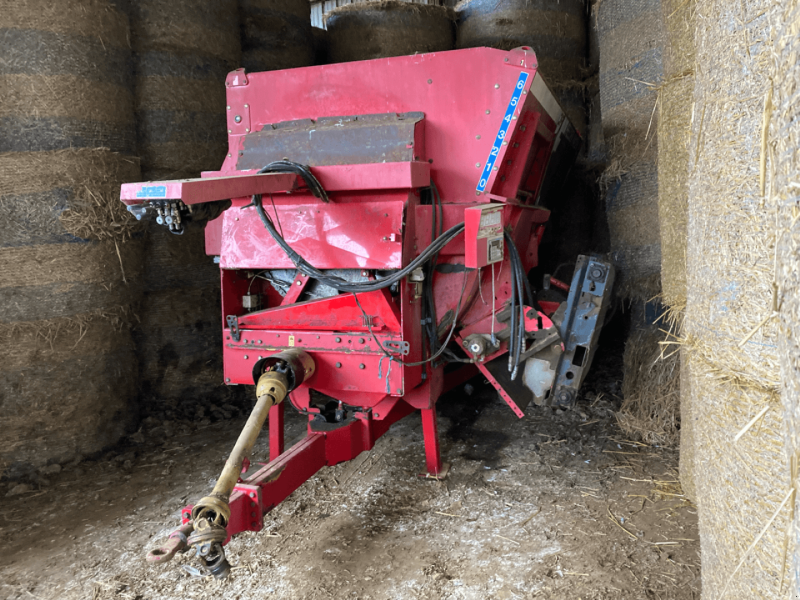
[(501, 134), (152, 191)]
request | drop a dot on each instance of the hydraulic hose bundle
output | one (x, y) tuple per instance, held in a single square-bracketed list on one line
[(520, 287)]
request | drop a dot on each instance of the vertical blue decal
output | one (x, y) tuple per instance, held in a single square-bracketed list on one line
[(501, 134)]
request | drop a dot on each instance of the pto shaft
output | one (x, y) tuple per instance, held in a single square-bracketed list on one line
[(275, 377)]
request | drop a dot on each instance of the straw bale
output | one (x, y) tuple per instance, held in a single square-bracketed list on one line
[(555, 31), (631, 40), (64, 87), (55, 407), (650, 408), (202, 27), (630, 183), (183, 51), (783, 192), (58, 96), (742, 475), (370, 30), (89, 207), (191, 95), (276, 34), (97, 19), (180, 338), (676, 96)]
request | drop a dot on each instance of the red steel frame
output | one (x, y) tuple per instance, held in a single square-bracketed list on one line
[(375, 220)]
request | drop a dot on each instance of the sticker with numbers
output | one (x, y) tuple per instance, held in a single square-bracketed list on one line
[(501, 134)]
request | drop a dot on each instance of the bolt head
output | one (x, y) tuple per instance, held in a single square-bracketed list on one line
[(338, 365), (362, 366), (299, 283), (488, 112), (496, 86), (338, 339), (430, 80), (478, 165), (238, 118)]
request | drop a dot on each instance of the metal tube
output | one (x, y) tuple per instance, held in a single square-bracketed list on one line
[(271, 390)]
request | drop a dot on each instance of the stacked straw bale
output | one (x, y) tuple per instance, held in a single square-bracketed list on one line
[(276, 34), (784, 192), (183, 52), (630, 36), (555, 30), (742, 475), (71, 255), (676, 96), (388, 28)]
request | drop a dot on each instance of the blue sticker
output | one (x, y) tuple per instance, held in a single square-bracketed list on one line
[(152, 191), (501, 134)]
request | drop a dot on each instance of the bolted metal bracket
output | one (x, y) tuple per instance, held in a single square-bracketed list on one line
[(233, 324)]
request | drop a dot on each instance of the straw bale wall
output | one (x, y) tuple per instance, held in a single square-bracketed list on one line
[(183, 52), (276, 34), (70, 255), (631, 39), (783, 142), (388, 28), (742, 475)]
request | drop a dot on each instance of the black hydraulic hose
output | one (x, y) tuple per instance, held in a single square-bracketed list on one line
[(336, 282)]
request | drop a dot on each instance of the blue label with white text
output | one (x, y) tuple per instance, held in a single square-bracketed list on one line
[(501, 134), (152, 191)]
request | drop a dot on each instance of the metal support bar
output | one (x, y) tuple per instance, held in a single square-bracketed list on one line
[(276, 430), (430, 431)]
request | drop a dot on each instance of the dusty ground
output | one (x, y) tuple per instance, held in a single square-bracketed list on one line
[(555, 506)]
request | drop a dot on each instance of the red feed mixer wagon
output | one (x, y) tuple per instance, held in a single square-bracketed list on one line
[(375, 223)]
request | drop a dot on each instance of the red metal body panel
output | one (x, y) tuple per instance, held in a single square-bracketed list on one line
[(463, 93), (339, 235)]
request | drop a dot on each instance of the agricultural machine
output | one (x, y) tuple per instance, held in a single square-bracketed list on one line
[(375, 223)]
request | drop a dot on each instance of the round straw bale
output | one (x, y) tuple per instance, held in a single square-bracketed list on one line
[(67, 385), (743, 476), (631, 40), (555, 30), (784, 193), (387, 28), (182, 53), (65, 77), (631, 183), (276, 34)]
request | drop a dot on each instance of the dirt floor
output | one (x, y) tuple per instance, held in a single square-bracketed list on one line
[(554, 506)]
